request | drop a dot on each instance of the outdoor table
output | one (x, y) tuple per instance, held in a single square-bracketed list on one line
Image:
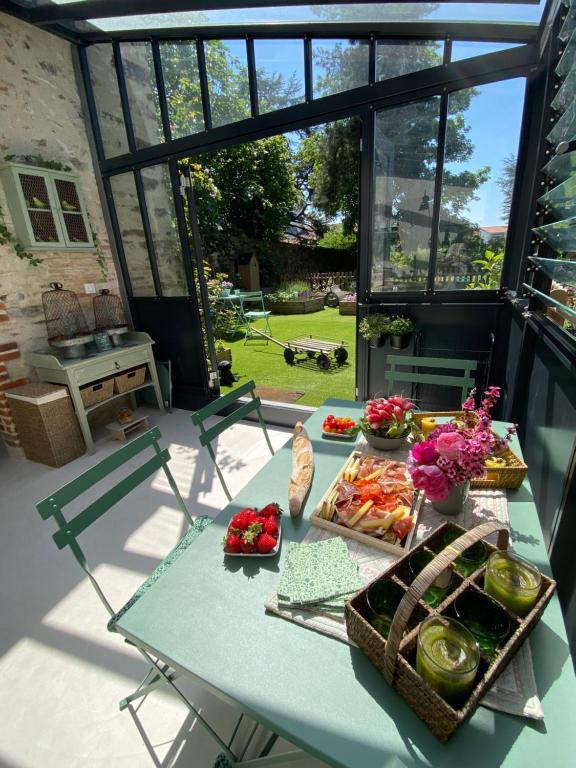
[(205, 616)]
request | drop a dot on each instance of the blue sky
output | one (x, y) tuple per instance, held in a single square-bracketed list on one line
[(494, 118)]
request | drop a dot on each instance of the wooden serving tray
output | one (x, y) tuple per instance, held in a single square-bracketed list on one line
[(371, 541)]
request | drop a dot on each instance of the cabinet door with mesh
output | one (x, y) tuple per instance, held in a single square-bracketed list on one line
[(40, 209), (75, 225)]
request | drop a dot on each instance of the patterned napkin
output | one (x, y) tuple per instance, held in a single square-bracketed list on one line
[(320, 574)]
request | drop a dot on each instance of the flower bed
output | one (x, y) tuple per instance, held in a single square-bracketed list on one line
[(299, 306), (347, 307)]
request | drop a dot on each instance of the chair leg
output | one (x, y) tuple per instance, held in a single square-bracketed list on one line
[(218, 472)]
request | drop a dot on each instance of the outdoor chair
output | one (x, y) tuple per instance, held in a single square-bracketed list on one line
[(68, 531), (255, 299), (464, 380), (208, 434)]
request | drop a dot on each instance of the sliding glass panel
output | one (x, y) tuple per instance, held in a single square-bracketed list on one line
[(279, 73), (182, 84), (479, 171), (405, 146), (164, 230), (339, 65), (227, 71), (467, 49), (399, 57), (142, 93), (132, 233), (107, 98)]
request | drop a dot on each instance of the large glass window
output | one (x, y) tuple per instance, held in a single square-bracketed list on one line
[(107, 98), (279, 73), (142, 93), (132, 233), (399, 57), (405, 147), (227, 72), (338, 65), (164, 230), (482, 136), (182, 85)]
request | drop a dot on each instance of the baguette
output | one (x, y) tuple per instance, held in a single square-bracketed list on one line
[(302, 470)]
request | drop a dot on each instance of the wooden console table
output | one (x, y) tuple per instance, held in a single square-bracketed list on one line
[(75, 373)]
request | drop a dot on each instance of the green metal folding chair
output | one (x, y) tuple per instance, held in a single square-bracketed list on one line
[(464, 380), (68, 531), (255, 299), (207, 435)]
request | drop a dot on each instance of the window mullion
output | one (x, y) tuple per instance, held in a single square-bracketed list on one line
[(435, 232)]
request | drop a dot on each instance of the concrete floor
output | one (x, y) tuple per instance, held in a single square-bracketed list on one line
[(61, 673)]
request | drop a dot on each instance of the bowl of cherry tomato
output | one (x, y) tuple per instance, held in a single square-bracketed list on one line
[(340, 427)]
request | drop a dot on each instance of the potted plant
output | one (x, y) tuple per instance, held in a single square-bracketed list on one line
[(222, 351), (400, 330), (387, 422), (374, 329)]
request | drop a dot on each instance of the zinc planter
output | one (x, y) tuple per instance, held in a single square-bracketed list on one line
[(400, 342), (454, 502), (376, 342), (385, 443)]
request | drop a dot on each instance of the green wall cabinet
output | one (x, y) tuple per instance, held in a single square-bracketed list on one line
[(47, 208)]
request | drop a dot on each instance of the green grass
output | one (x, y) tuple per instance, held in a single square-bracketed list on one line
[(266, 365)]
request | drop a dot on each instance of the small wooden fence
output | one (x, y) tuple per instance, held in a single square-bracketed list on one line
[(323, 281)]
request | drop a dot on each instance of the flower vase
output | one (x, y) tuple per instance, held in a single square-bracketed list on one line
[(225, 292), (454, 502)]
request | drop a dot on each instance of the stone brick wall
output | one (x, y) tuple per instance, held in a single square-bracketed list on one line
[(41, 113)]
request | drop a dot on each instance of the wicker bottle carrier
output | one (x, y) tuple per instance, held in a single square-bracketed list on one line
[(395, 657)]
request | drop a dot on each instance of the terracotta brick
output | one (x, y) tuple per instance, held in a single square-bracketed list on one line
[(7, 347), (9, 355), (13, 442), (11, 384)]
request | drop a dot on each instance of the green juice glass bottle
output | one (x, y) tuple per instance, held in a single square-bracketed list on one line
[(447, 658), (512, 581)]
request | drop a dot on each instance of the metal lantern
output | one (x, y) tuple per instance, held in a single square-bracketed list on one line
[(65, 322), (109, 315)]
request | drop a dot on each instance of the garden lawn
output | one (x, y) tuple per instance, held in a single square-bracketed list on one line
[(264, 362)]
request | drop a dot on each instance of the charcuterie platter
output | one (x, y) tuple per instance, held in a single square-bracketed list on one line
[(373, 501)]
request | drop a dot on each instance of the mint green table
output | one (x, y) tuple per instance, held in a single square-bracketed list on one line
[(206, 617)]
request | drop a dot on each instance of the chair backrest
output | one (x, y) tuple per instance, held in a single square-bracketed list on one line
[(465, 381), (252, 298), (69, 530), (211, 433)]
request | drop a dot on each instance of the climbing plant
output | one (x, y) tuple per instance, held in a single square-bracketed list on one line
[(6, 238)]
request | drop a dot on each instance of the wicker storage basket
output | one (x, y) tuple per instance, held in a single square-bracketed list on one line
[(395, 657), (97, 392), (510, 476), (128, 380), (46, 423)]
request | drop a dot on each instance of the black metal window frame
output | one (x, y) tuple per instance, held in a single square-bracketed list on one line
[(363, 101)]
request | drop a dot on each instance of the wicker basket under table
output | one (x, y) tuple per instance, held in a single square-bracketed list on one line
[(128, 380), (46, 423), (395, 657), (97, 392)]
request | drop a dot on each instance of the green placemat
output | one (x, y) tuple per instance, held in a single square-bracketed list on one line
[(318, 573)]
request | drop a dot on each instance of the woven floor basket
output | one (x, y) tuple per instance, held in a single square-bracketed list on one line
[(97, 392), (395, 657)]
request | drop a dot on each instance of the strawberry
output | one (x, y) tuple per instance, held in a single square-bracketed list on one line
[(270, 510), (248, 547), (271, 526), (233, 543), (243, 519), (265, 543)]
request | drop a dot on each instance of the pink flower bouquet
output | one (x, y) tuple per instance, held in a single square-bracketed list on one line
[(387, 417), (455, 452)]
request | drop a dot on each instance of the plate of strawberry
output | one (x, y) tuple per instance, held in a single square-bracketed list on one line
[(254, 533)]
